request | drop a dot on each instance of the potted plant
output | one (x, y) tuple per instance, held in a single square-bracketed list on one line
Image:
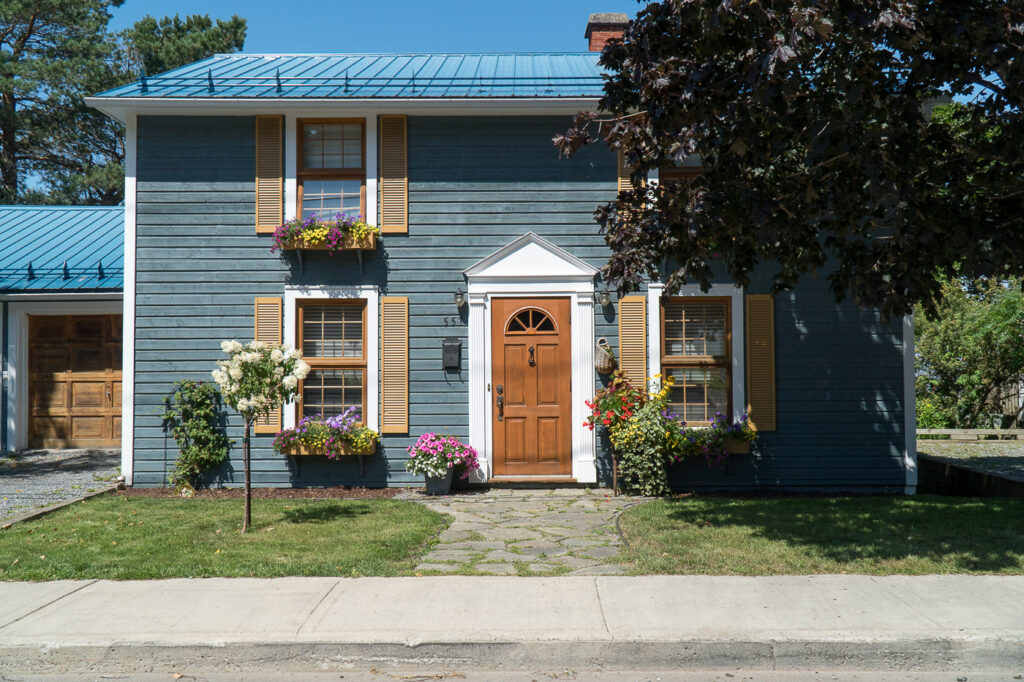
[(338, 436), (333, 235), (438, 458)]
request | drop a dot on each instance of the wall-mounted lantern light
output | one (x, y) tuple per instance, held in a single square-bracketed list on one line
[(460, 298), (604, 299)]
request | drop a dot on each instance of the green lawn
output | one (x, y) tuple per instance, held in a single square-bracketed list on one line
[(127, 538), (803, 535)]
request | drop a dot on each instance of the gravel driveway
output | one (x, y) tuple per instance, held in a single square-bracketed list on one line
[(36, 478)]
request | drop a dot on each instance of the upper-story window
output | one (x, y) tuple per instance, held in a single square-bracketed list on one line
[(696, 351), (332, 167)]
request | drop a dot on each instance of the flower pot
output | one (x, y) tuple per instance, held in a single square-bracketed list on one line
[(439, 485), (348, 450)]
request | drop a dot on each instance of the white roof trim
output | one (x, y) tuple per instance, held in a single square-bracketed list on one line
[(531, 257), (120, 108)]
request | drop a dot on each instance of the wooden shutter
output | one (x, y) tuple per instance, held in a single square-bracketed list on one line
[(394, 175), (268, 330), (633, 339), (761, 361), (394, 366), (269, 174), (624, 173)]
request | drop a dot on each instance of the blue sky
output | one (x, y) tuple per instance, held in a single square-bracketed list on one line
[(396, 25)]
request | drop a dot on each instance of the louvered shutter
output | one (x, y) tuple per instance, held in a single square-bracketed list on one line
[(394, 366), (268, 330), (269, 173), (761, 361), (394, 175), (633, 338), (624, 173)]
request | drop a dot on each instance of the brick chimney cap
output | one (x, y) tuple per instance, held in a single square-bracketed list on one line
[(606, 19)]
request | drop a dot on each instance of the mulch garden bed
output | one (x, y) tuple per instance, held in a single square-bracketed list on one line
[(333, 493)]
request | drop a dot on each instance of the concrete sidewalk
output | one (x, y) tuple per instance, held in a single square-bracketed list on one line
[(940, 623)]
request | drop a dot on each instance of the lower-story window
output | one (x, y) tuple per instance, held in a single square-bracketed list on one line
[(696, 352), (332, 337)]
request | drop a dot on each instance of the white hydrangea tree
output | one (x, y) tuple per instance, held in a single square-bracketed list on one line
[(256, 379)]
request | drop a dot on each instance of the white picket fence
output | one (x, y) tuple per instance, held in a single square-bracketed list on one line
[(974, 434)]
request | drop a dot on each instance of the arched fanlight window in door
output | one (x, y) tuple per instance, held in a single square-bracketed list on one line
[(531, 321)]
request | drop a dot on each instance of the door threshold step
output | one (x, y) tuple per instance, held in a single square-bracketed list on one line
[(531, 480)]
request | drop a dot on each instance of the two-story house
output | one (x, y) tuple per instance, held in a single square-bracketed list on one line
[(478, 310)]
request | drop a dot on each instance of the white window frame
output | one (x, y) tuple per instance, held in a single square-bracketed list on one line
[(291, 161), (371, 295), (735, 296)]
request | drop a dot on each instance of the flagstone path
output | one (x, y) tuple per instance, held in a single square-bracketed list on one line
[(567, 531)]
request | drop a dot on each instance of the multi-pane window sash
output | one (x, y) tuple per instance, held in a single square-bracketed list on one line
[(332, 167), (332, 336), (696, 350)]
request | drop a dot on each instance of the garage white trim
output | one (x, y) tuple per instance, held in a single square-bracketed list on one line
[(17, 354)]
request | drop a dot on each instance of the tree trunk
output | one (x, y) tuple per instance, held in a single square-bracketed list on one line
[(247, 520)]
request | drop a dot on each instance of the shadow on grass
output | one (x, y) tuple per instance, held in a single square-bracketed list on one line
[(962, 534), (325, 512)]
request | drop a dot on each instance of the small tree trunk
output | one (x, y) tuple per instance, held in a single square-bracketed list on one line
[(247, 520)]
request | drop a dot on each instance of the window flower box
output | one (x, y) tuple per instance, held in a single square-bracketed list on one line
[(345, 450), (333, 235), (333, 437)]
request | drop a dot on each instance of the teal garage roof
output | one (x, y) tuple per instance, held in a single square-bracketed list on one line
[(375, 76), (53, 248)]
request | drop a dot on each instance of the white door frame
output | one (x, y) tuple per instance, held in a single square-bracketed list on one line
[(531, 267)]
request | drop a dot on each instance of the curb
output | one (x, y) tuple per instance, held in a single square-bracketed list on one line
[(911, 655), (43, 511)]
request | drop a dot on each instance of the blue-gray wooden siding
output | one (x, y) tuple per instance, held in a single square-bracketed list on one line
[(475, 184)]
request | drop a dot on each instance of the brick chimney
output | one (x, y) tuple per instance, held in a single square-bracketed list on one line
[(604, 26)]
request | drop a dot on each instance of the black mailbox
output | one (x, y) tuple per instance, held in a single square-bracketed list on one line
[(451, 356)]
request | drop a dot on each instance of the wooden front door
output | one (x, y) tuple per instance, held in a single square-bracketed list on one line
[(531, 387), (74, 364)]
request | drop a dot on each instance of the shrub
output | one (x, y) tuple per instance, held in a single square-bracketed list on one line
[(195, 415)]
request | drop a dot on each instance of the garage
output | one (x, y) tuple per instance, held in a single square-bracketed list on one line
[(61, 333), (74, 381)]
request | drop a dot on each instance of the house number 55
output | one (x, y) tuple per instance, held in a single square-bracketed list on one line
[(452, 321)]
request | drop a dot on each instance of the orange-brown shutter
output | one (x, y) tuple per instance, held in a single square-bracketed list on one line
[(394, 365), (268, 330), (269, 172), (761, 361), (624, 173), (633, 339), (394, 174)]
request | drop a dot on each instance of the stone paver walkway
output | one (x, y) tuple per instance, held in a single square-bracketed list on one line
[(567, 531)]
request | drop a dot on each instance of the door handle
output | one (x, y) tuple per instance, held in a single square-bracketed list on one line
[(533, 361), (501, 402)]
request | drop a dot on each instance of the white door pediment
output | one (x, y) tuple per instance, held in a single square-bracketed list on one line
[(531, 257)]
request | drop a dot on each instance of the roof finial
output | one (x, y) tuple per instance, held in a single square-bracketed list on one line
[(277, 77), (31, 274), (65, 271), (99, 269), (209, 80), (346, 81), (142, 78)]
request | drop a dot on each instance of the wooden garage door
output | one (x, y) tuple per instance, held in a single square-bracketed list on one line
[(75, 380)]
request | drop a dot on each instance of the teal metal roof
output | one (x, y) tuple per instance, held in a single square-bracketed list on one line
[(61, 248), (376, 76)]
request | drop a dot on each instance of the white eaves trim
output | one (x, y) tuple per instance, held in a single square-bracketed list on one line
[(121, 107)]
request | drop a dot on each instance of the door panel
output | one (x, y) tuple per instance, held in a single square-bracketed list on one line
[(532, 365), (74, 380)]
